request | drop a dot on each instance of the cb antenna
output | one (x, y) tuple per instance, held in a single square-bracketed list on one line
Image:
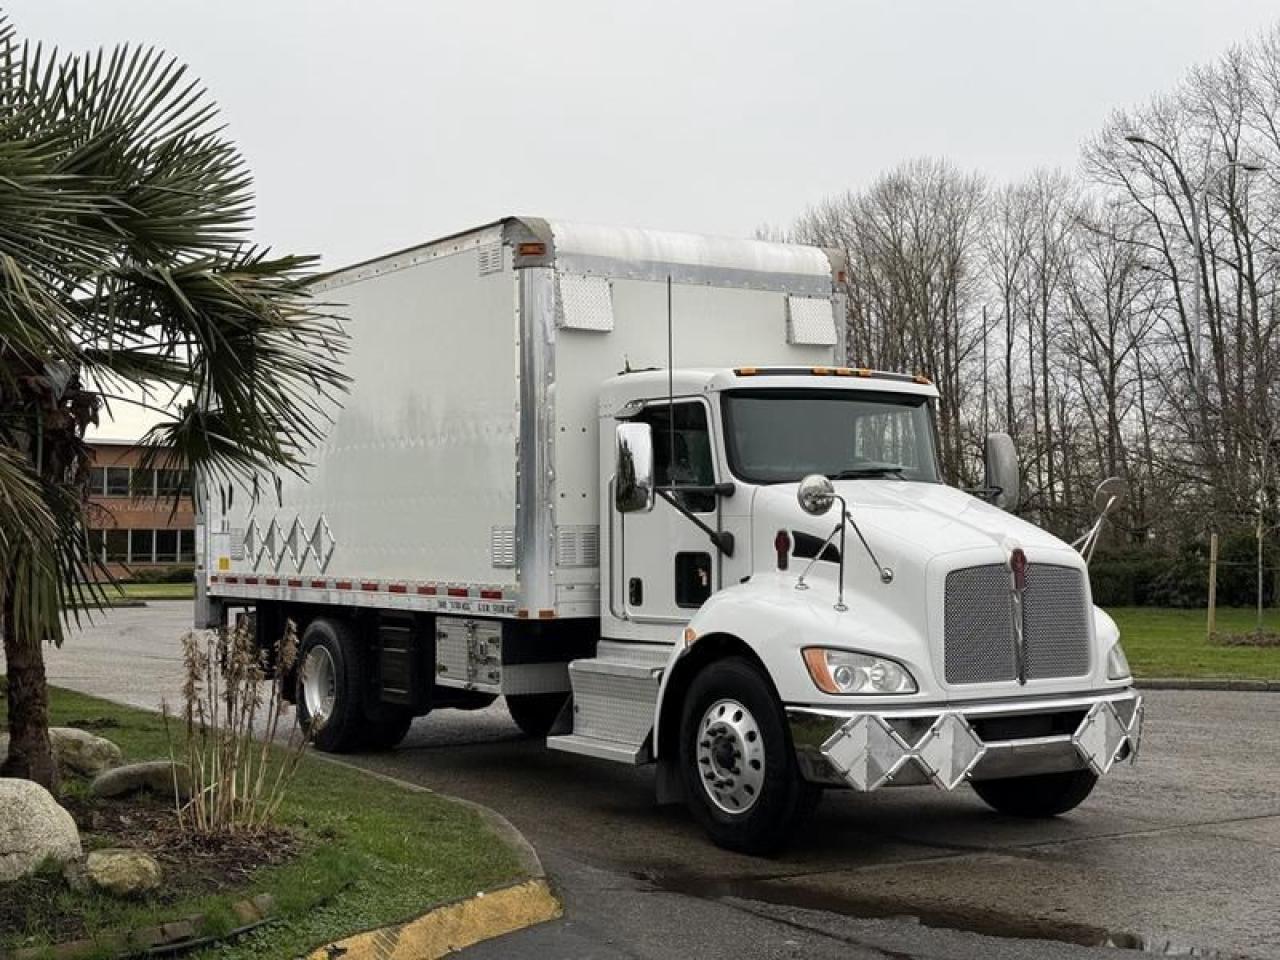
[(671, 392)]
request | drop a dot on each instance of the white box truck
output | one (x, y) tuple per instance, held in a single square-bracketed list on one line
[(743, 567)]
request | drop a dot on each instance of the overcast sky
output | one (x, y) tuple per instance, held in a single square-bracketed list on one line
[(376, 125), (371, 126)]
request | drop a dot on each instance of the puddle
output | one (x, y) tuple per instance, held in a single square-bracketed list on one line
[(777, 891)]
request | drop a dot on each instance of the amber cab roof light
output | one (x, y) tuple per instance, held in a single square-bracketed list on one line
[(831, 372)]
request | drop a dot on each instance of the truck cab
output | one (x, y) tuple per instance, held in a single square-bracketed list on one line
[(787, 566)]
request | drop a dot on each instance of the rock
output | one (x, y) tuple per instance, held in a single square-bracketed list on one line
[(154, 776), (84, 753), (124, 873), (33, 828), (77, 751)]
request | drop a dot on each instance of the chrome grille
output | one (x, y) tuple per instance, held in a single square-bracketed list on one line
[(978, 636), (1054, 611), (978, 625)]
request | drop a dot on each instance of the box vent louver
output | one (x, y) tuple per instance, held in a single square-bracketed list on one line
[(489, 259)]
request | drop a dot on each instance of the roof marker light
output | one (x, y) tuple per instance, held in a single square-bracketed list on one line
[(532, 249)]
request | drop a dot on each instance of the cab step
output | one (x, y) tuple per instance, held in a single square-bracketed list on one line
[(614, 695)]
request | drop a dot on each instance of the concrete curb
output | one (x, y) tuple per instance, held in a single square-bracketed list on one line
[(452, 926), (462, 923), (1199, 683)]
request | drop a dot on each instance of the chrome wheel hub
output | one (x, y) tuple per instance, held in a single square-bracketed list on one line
[(319, 684), (730, 756)]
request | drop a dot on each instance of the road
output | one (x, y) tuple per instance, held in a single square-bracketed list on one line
[(1178, 855)]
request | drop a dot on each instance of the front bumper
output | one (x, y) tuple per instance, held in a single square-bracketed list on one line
[(946, 745)]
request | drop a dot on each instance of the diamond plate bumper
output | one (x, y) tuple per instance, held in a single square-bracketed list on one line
[(868, 749)]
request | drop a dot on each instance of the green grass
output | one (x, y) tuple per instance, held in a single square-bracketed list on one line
[(374, 853), (156, 591), (1172, 643), (130, 594)]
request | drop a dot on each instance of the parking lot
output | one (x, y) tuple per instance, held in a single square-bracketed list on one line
[(1178, 855)]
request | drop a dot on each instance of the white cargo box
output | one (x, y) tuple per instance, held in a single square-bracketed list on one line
[(461, 473)]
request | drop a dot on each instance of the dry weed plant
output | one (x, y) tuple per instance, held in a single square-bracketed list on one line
[(238, 780)]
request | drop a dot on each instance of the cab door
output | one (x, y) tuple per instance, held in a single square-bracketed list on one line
[(668, 564)]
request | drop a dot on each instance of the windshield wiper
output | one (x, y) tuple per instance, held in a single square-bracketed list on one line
[(857, 472)]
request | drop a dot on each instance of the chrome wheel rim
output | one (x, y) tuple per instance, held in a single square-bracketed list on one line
[(319, 684), (730, 756)]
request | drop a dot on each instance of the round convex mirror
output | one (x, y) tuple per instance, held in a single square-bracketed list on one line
[(1110, 494), (816, 494)]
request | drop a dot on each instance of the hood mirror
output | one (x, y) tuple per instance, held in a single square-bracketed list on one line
[(816, 495), (1110, 494)]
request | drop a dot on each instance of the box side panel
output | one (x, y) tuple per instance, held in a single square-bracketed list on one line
[(415, 481), (713, 327)]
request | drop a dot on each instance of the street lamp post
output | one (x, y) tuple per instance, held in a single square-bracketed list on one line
[(1195, 200)]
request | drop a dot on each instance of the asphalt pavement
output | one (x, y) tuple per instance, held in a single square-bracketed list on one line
[(1177, 855)]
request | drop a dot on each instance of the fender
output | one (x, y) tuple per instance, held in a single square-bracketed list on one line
[(768, 620)]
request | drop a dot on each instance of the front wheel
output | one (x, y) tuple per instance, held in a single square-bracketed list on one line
[(740, 774), (1039, 796)]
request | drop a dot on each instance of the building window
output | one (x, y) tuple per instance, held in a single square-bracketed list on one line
[(166, 546), (172, 482), (117, 481), (117, 542), (141, 546), (187, 547), (97, 481), (96, 545), (143, 484)]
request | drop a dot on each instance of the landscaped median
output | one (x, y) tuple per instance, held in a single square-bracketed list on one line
[(356, 853)]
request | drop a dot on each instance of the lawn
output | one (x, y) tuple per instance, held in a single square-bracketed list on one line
[(156, 591), (373, 853), (131, 594), (1171, 643)]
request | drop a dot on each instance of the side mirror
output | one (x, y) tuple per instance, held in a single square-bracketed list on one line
[(633, 468), (816, 494), (1110, 494), (1003, 477)]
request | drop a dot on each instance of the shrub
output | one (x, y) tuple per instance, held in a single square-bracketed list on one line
[(183, 573), (1148, 576), (237, 781)]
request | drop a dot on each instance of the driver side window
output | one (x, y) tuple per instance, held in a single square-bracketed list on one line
[(682, 430)]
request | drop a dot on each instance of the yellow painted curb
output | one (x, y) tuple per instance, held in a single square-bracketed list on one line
[(452, 927)]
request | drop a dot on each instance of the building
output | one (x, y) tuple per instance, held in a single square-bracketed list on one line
[(133, 520)]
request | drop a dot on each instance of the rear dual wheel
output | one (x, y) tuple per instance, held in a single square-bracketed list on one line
[(331, 709), (536, 713)]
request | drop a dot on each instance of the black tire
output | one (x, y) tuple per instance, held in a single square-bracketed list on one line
[(783, 799), (388, 730), (535, 713), (343, 730), (1040, 796)]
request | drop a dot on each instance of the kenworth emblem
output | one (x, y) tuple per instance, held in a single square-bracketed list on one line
[(1018, 567)]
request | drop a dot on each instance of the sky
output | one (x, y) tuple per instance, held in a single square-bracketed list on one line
[(375, 125)]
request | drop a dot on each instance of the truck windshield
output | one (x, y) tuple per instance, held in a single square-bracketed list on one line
[(780, 436)]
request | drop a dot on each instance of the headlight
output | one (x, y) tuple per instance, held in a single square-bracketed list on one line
[(846, 672), (1118, 663)]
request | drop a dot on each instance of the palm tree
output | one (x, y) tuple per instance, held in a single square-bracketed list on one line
[(126, 272)]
